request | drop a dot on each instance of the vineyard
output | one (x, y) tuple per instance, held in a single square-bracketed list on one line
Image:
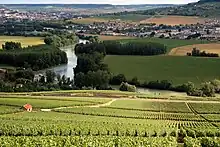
[(104, 118)]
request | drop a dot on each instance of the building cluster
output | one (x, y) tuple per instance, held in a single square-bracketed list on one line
[(8, 14), (210, 30)]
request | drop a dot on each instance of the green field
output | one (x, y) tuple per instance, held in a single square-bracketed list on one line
[(25, 41), (115, 119), (179, 70)]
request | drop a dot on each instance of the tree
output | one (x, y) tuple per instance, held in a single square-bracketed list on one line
[(25, 74), (99, 79), (48, 40), (189, 86), (50, 76), (80, 80), (11, 46), (118, 79), (208, 89), (127, 87), (134, 81), (42, 79), (216, 84)]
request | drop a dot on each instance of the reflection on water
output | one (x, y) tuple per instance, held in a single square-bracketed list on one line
[(66, 69)]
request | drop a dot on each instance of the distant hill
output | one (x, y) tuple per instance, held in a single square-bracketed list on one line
[(85, 5), (204, 8), (82, 9), (207, 1)]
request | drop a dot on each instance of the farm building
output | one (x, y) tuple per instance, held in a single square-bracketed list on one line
[(27, 107)]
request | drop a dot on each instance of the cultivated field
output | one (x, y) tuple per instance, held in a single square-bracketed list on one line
[(128, 17), (116, 119), (25, 41), (173, 20), (179, 70), (89, 20), (183, 50)]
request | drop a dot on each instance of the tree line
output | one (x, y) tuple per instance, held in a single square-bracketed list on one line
[(197, 53), (35, 57), (21, 80), (134, 48), (207, 89), (120, 48), (11, 46)]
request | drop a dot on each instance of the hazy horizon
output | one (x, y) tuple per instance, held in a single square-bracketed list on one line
[(114, 2)]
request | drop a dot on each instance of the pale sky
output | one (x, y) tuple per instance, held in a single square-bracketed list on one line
[(96, 1)]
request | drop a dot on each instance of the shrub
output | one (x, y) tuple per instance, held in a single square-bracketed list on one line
[(118, 79), (208, 89), (127, 87)]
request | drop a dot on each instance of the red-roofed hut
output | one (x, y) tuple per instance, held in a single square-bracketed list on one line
[(27, 107)]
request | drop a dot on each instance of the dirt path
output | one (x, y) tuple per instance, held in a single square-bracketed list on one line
[(89, 106)]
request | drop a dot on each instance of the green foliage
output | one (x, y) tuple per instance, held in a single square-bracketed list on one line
[(11, 46), (90, 48), (134, 48), (216, 84), (127, 87), (50, 76), (61, 40), (118, 79), (66, 141), (35, 57), (208, 89), (196, 52), (206, 8)]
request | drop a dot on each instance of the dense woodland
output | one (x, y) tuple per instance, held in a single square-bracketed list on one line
[(35, 57), (134, 48), (30, 28)]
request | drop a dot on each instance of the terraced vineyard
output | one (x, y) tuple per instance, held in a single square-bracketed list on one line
[(106, 119)]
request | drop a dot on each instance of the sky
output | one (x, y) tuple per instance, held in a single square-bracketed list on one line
[(96, 1)]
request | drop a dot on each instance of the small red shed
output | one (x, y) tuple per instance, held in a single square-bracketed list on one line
[(28, 107)]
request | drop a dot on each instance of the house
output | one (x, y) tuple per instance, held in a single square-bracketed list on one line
[(27, 107)]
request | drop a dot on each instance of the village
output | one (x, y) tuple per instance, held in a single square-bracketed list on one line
[(210, 30)]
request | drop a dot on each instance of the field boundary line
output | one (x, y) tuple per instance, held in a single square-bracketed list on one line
[(196, 113)]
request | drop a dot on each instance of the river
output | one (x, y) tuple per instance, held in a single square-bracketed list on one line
[(66, 69)]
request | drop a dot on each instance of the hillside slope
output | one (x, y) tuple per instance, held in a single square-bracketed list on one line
[(204, 8)]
